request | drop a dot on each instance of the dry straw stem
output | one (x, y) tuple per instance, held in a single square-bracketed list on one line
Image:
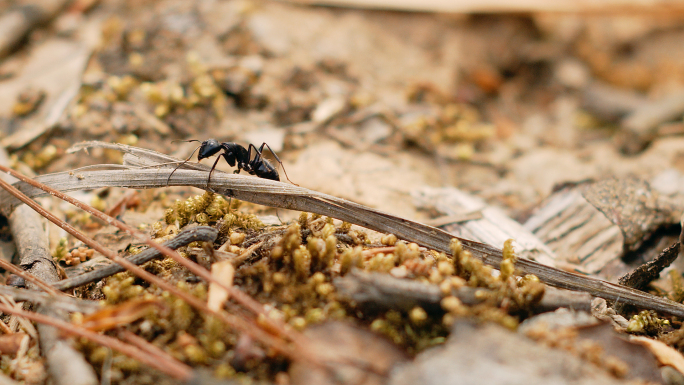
[(166, 364), (234, 321), (150, 169)]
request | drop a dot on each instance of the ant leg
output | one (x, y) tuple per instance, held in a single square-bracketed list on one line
[(212, 170), (184, 162), (261, 149), (257, 157)]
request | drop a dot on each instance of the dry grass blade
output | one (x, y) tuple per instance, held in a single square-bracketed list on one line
[(168, 364), (282, 195)]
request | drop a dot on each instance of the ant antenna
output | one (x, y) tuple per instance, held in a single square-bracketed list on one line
[(185, 161)]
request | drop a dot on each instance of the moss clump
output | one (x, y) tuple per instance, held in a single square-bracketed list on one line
[(646, 322)]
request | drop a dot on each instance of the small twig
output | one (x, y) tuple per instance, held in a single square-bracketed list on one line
[(386, 292), (175, 369), (188, 235), (640, 277), (237, 261)]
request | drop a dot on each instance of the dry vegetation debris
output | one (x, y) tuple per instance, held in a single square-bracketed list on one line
[(570, 125)]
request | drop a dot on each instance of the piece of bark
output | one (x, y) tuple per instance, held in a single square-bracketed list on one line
[(594, 224), (640, 126), (640, 277), (610, 103), (373, 356), (494, 227), (632, 205)]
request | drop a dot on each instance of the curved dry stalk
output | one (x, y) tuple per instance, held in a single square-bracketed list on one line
[(282, 195), (167, 364)]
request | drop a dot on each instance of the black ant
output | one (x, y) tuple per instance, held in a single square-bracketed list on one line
[(234, 154)]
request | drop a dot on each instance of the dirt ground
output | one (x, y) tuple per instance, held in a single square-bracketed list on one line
[(383, 108)]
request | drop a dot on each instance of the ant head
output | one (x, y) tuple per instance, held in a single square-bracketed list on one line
[(208, 148)]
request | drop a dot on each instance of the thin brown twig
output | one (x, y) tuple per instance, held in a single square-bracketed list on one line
[(173, 368), (233, 321), (198, 270)]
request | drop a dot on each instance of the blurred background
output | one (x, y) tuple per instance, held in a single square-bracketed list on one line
[(366, 100), (445, 112)]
